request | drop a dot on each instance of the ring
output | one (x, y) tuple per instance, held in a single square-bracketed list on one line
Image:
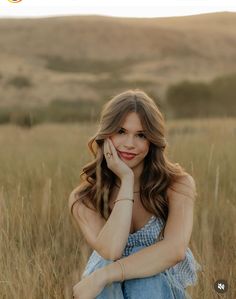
[(108, 155)]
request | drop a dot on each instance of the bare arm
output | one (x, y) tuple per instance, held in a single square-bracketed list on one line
[(144, 263), (166, 253), (114, 235)]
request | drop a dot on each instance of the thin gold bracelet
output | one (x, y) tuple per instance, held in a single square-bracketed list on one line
[(122, 269), (124, 199)]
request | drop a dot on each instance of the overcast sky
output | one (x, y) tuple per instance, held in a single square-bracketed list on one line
[(125, 8)]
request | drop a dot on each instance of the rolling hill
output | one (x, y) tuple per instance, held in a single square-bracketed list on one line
[(93, 57)]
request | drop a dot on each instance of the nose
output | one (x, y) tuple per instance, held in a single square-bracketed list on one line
[(129, 142)]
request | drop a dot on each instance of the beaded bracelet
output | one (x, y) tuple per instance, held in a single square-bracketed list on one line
[(122, 269), (124, 199)]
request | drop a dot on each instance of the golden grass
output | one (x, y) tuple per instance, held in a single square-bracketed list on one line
[(43, 256)]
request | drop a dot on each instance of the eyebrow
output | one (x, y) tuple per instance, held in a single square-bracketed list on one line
[(141, 131)]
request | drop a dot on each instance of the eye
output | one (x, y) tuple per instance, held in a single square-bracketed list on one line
[(141, 135), (120, 131)]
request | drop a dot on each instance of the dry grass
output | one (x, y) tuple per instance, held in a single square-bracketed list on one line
[(42, 255)]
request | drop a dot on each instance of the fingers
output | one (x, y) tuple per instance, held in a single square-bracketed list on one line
[(110, 148), (106, 147), (113, 149)]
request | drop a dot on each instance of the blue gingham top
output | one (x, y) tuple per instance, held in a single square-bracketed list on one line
[(181, 274)]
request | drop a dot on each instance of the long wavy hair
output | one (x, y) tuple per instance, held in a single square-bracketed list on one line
[(158, 172)]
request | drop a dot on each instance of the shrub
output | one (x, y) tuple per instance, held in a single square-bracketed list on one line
[(198, 99), (20, 82), (62, 110), (4, 115), (61, 64)]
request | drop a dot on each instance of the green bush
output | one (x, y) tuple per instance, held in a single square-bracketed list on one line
[(62, 110), (189, 99), (20, 82), (4, 115), (25, 117), (198, 99), (61, 64), (59, 110), (224, 91)]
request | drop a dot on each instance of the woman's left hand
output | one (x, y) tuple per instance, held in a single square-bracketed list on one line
[(90, 286)]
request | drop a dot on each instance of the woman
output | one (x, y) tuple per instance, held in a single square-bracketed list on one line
[(134, 208)]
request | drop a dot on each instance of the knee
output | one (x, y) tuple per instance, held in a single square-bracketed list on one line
[(99, 264), (104, 262), (148, 287), (112, 291), (141, 282)]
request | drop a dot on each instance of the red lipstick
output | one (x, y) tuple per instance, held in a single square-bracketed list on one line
[(126, 156)]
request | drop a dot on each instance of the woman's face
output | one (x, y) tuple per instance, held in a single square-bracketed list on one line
[(128, 139)]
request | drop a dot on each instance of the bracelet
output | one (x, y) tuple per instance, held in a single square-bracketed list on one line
[(124, 199), (122, 269)]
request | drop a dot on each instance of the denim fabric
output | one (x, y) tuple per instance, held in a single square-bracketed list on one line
[(169, 284), (185, 272), (159, 286)]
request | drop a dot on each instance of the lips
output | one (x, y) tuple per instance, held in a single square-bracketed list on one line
[(127, 155)]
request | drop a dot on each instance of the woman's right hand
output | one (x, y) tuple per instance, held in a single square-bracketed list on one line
[(114, 162)]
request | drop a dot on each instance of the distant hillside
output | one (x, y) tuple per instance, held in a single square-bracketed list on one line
[(92, 58)]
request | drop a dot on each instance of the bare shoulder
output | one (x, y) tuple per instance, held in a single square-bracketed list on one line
[(74, 201), (187, 180), (89, 221), (184, 186)]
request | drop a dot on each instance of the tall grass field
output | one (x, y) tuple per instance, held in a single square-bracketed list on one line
[(42, 254)]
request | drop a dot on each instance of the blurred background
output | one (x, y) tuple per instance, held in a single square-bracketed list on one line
[(63, 69), (56, 73)]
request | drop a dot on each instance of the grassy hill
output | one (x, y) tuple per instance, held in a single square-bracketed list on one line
[(90, 58)]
